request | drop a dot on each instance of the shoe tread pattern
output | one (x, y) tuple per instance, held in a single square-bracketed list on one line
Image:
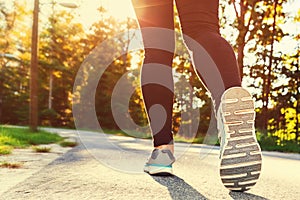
[(241, 158)]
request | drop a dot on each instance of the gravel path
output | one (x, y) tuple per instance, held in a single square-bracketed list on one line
[(78, 175), (30, 163)]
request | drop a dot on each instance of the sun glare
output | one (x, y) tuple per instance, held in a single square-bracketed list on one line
[(88, 14)]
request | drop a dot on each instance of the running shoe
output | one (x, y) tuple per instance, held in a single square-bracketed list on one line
[(160, 163), (240, 154)]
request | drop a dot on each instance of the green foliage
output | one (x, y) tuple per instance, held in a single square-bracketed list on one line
[(49, 117), (8, 140), (270, 144), (290, 125), (4, 149), (13, 63), (273, 142), (267, 141)]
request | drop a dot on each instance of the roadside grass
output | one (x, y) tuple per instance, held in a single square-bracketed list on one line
[(272, 143), (11, 138), (292, 148), (10, 165), (7, 140), (267, 144), (5, 149), (66, 143), (41, 149), (288, 147)]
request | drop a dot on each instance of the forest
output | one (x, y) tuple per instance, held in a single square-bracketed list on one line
[(265, 35)]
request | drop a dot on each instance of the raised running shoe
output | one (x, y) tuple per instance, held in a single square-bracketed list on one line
[(240, 154)]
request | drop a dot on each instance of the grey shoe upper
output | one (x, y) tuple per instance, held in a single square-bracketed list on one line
[(161, 157)]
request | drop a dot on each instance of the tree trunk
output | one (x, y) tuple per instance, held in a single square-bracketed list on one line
[(269, 70), (242, 36), (297, 101), (33, 114), (50, 90), (264, 100), (240, 58), (1, 108)]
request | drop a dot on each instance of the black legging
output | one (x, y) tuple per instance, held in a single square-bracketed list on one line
[(199, 21)]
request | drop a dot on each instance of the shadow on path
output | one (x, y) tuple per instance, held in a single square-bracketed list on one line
[(178, 188), (245, 196)]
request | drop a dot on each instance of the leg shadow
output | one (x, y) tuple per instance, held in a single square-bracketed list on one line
[(178, 188), (245, 196)]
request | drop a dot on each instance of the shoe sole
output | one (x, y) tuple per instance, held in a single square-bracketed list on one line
[(159, 171), (241, 158)]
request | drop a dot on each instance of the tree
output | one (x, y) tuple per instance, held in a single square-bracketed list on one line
[(61, 53), (107, 31), (13, 64), (258, 24)]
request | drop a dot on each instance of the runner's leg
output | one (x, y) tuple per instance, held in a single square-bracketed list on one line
[(156, 75), (199, 20)]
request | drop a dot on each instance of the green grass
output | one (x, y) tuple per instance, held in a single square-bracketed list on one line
[(284, 148), (270, 143), (5, 149), (11, 138), (289, 146), (7, 140)]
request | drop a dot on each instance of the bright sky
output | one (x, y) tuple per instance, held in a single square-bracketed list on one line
[(86, 12), (120, 9)]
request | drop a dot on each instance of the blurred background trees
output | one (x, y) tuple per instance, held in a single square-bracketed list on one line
[(268, 53), (265, 35)]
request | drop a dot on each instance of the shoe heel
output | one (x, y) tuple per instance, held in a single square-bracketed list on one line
[(159, 170)]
